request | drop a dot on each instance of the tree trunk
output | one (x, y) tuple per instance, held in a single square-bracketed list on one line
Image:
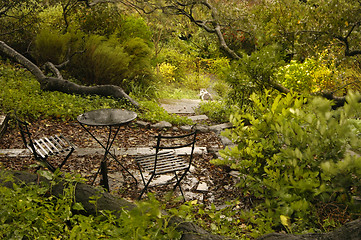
[(350, 231), (65, 86)]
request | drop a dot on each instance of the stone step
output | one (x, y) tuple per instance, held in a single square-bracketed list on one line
[(180, 106), (198, 118), (100, 151)]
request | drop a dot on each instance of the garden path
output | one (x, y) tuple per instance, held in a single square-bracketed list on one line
[(205, 183)]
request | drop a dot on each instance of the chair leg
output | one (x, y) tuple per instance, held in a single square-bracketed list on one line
[(178, 183), (66, 158), (145, 187), (96, 175), (48, 164)]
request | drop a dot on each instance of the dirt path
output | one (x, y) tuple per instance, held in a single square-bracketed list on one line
[(180, 106)]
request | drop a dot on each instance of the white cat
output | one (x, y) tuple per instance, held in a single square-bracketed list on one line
[(205, 95)]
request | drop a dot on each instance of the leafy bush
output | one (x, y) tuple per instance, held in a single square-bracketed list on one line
[(253, 73), (103, 62), (167, 71), (221, 88), (226, 221), (196, 81), (106, 61), (19, 22), (139, 70), (297, 76), (29, 212), (151, 111), (52, 17), (312, 75), (101, 19), (217, 111), (295, 159), (134, 27), (51, 46), (218, 66), (173, 57)]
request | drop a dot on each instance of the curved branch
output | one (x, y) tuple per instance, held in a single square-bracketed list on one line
[(54, 70), (22, 60), (61, 85), (65, 86), (349, 53)]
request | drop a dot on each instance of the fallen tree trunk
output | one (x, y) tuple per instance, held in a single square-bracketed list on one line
[(65, 86), (106, 201), (350, 231)]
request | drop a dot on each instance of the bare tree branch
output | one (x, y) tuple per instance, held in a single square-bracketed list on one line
[(54, 70), (61, 85)]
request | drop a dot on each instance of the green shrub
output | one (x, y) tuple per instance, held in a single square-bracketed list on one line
[(221, 88), (295, 159), (134, 27), (152, 112), (19, 22), (196, 81), (218, 66), (103, 62), (107, 20), (106, 61), (101, 19), (252, 74), (217, 111), (167, 72), (139, 70), (30, 212), (51, 46), (173, 57), (52, 17), (225, 221), (312, 75)]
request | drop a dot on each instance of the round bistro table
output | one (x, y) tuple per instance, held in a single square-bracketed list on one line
[(111, 118)]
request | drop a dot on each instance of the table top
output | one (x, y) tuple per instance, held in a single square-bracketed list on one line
[(106, 117)]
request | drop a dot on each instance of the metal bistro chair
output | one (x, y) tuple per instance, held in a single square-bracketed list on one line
[(166, 160), (44, 147)]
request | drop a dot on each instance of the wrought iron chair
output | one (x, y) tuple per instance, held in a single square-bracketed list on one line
[(45, 147), (165, 160)]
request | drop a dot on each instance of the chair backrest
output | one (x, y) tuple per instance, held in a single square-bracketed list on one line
[(176, 142), (26, 135)]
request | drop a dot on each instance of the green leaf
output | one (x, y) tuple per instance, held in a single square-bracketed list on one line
[(78, 206)]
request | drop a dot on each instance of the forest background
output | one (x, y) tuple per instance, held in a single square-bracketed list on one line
[(285, 73)]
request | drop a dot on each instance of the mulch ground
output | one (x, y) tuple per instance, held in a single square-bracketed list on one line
[(130, 136)]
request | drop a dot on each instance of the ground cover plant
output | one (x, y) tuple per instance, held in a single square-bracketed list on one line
[(30, 212), (20, 87)]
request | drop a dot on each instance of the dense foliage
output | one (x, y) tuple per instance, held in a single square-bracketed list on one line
[(293, 152), (31, 212), (22, 92), (295, 156)]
